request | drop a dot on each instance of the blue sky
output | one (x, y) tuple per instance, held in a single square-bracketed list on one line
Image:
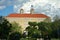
[(5, 7), (48, 7), (6, 11)]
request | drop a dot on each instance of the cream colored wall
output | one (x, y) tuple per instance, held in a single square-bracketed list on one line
[(23, 22)]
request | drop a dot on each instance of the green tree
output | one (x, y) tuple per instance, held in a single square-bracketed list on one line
[(55, 26), (56, 18), (33, 24), (33, 31), (44, 28), (5, 28), (51, 29), (16, 27), (15, 36)]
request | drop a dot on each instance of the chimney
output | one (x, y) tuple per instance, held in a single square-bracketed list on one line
[(21, 11), (31, 10)]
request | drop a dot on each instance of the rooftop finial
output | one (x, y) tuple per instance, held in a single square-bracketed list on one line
[(21, 11), (31, 6), (31, 10)]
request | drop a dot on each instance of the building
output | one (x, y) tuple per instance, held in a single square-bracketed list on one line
[(23, 18)]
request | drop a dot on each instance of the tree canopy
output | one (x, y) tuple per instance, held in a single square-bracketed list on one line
[(5, 28)]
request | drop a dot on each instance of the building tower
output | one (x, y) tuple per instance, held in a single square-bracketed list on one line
[(31, 10), (21, 11)]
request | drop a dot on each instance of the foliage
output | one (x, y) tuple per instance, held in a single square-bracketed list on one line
[(5, 28), (56, 18), (33, 32), (32, 24), (16, 27), (56, 29), (15, 36), (43, 29), (16, 33)]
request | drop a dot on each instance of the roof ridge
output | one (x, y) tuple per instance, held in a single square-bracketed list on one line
[(28, 15)]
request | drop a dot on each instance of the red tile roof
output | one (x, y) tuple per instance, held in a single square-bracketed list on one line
[(28, 15)]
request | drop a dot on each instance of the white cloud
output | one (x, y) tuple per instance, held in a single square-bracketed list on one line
[(36, 3), (6, 2), (43, 6), (2, 7)]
